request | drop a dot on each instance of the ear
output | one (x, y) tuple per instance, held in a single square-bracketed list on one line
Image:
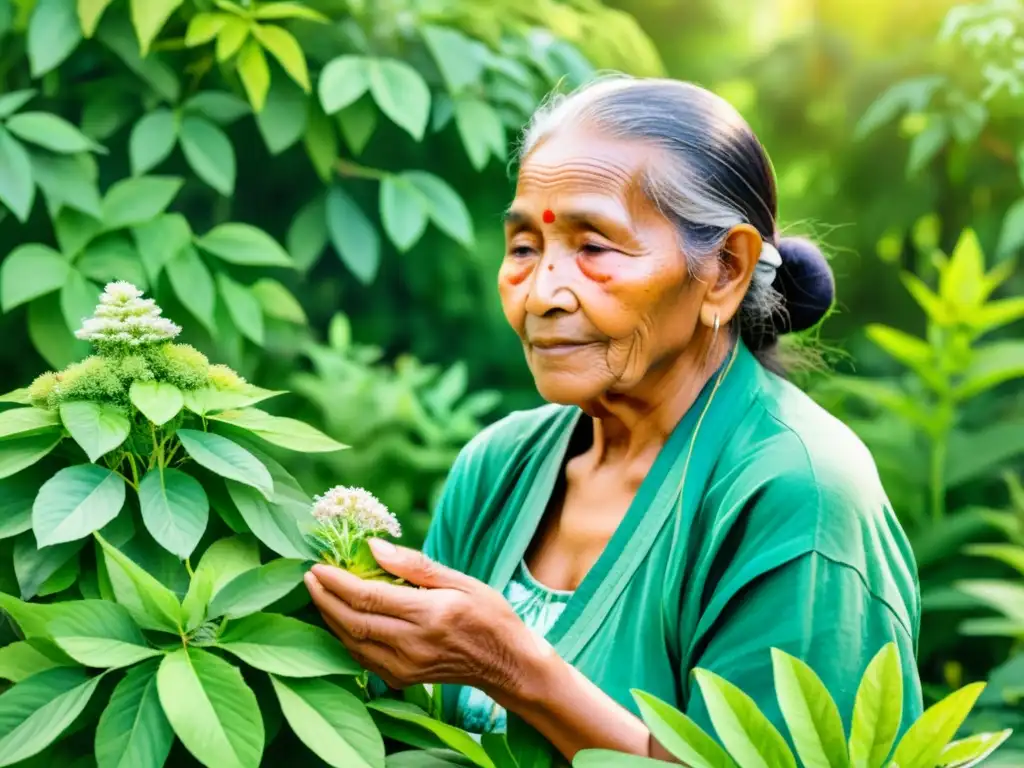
[(740, 252)]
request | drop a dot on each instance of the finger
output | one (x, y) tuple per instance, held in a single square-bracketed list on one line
[(416, 568), (371, 656), (357, 624), (378, 597)]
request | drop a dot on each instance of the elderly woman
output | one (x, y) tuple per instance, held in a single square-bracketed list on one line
[(678, 504)]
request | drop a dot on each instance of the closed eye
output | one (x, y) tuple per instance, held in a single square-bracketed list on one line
[(521, 251), (595, 248)]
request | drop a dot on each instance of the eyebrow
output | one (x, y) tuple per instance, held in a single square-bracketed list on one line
[(519, 219)]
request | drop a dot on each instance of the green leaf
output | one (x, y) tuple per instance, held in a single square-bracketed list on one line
[(151, 604), (133, 731), (913, 352), (283, 119), (209, 400), (283, 46), (481, 130), (353, 236), (31, 618), (12, 101), (343, 81), (223, 560), (996, 314), (233, 33), (159, 241), (175, 510), (1003, 596), (152, 140), (131, 202), (810, 713), (973, 750), (975, 454), (1010, 554), (678, 734), (99, 634), (321, 142), (227, 459), (456, 56), (109, 258), (75, 230), (67, 181), (257, 588), (741, 727), (403, 211), (358, 121), (913, 95), (17, 187), (447, 209), (288, 10), (255, 74), (78, 299), (924, 741), (245, 245), (606, 758), (212, 710), (277, 301), (452, 737), (307, 235), (89, 13), (53, 34), (209, 152), (991, 365), (332, 722), (279, 430), (1011, 236), (877, 710), (20, 396), (193, 285), (37, 711), (158, 401), (149, 17), (285, 646), (926, 145), (19, 453), (118, 36), (30, 271), (401, 94), (98, 428), (219, 106), (962, 280), (203, 27), (271, 522), (50, 132), (927, 299), (22, 659), (27, 421), (75, 502), (17, 494), (34, 567), (106, 113), (243, 307)]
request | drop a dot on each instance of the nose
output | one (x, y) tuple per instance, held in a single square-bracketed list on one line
[(551, 286)]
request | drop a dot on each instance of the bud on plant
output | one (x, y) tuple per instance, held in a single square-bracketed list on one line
[(346, 519)]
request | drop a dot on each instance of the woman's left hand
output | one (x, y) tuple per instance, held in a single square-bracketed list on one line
[(457, 630)]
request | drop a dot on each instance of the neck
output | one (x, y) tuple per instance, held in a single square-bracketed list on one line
[(633, 426)]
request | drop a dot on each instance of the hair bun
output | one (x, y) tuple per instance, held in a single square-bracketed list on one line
[(806, 283)]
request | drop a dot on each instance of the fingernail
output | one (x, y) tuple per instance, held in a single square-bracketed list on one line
[(309, 579), (383, 548)]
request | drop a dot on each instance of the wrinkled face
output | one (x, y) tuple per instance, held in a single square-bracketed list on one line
[(593, 280)]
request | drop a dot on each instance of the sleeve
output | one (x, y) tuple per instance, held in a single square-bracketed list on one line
[(818, 610)]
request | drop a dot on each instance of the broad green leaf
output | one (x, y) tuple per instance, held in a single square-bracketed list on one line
[(131, 202), (678, 734), (1006, 597), (35, 567), (810, 713), (285, 646), (447, 209), (926, 145), (78, 299), (456, 56), (151, 604), (307, 235), (996, 314), (175, 509), (75, 502), (18, 453), (203, 27), (605, 758), (271, 522), (17, 494), (35, 712), (133, 731), (321, 141), (243, 308), (99, 634), (30, 271), (401, 94), (219, 106), (909, 350), (1011, 236), (12, 101), (159, 241), (117, 34), (17, 187), (403, 210), (741, 727), (31, 618), (105, 113), (991, 365), (924, 741), (975, 454), (22, 659), (112, 257), (89, 13), (452, 737), (193, 285), (149, 17), (152, 140), (27, 421), (53, 34), (279, 430), (233, 33), (75, 230), (245, 245), (913, 95), (50, 132), (342, 81), (357, 122), (277, 301), (211, 709), (973, 750), (288, 10), (61, 579), (98, 428), (158, 401), (20, 396), (209, 152), (227, 459), (255, 74), (1010, 554), (221, 563), (257, 588), (927, 299), (877, 710), (210, 400), (332, 722), (67, 181), (283, 46), (353, 236), (481, 131), (497, 747), (962, 281), (282, 121)]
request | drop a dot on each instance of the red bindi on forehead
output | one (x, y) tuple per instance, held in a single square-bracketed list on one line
[(548, 216)]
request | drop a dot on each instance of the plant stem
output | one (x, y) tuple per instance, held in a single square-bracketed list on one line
[(937, 481), (355, 170), (188, 567), (135, 470)]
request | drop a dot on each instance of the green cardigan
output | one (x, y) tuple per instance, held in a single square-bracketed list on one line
[(762, 523)]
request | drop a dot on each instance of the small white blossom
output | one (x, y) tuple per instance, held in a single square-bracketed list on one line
[(124, 318), (358, 507)]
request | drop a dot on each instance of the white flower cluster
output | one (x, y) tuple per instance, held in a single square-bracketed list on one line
[(358, 507), (124, 317)]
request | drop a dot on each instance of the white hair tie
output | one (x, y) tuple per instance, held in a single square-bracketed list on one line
[(768, 264)]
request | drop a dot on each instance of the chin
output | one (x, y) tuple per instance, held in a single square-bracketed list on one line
[(566, 388)]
